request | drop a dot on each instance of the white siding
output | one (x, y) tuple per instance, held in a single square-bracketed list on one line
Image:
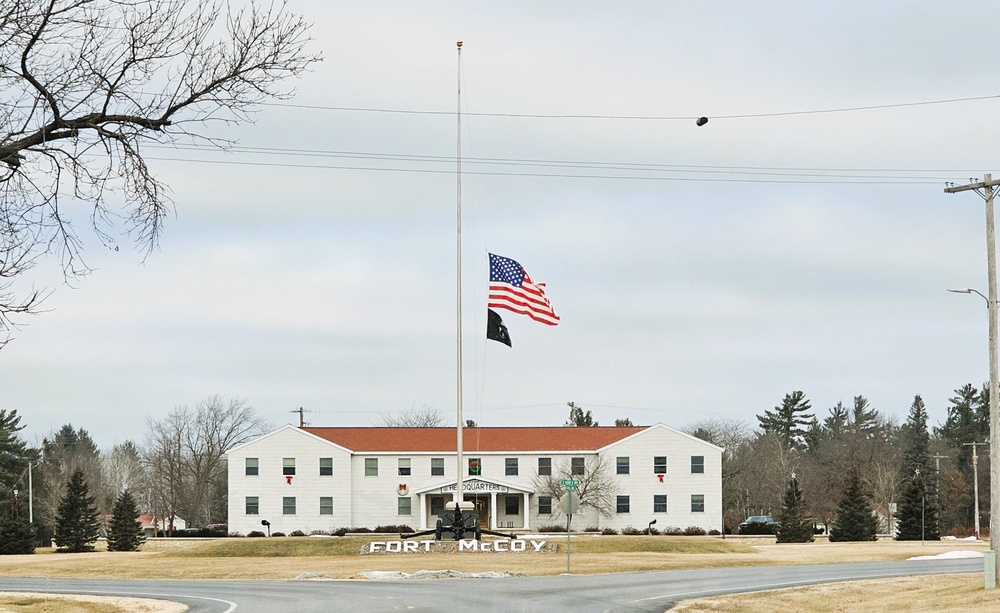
[(307, 486), (370, 501)]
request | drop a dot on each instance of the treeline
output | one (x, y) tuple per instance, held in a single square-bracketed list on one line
[(899, 466), (178, 470)]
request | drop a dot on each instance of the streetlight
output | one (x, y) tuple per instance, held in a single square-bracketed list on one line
[(266, 524), (649, 528), (970, 290)]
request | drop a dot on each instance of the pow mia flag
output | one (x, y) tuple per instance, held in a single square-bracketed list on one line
[(495, 330)]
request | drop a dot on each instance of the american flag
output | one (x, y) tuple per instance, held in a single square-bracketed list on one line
[(511, 288)]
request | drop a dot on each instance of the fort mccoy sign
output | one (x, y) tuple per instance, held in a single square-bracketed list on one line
[(463, 546)]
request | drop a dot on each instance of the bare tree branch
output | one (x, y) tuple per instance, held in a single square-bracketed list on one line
[(84, 83)]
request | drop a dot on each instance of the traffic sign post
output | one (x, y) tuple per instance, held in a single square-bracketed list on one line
[(569, 503)]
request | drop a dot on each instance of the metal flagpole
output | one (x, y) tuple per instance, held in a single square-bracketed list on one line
[(458, 172)]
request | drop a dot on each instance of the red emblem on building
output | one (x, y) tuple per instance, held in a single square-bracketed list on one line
[(402, 490)]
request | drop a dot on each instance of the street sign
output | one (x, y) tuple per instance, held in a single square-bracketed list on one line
[(570, 484), (569, 503)]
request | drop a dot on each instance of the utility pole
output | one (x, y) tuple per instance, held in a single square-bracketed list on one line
[(937, 461), (987, 188), (302, 416), (975, 481)]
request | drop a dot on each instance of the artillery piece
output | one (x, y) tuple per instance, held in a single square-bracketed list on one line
[(458, 521)]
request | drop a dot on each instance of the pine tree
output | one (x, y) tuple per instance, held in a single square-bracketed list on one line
[(76, 520), (125, 532), (855, 519), (795, 526), (917, 515), (788, 420), (17, 535)]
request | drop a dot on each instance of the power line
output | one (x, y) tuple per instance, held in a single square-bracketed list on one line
[(801, 179), (849, 109)]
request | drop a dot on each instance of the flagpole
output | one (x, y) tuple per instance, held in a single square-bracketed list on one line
[(458, 427)]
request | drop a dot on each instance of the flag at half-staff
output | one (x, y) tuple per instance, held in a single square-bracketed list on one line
[(511, 288), (495, 330)]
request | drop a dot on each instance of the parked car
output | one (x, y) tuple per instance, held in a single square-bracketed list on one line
[(759, 524)]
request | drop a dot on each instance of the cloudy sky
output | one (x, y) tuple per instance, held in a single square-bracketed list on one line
[(801, 240)]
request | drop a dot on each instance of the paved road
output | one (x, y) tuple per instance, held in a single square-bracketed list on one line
[(651, 592)]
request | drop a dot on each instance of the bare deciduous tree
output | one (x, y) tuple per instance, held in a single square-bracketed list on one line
[(423, 417), (597, 490), (84, 84), (186, 455)]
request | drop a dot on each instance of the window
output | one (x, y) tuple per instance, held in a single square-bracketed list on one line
[(576, 466), (475, 466), (253, 467), (544, 466), (326, 467), (326, 505), (288, 505), (659, 503), (622, 504), (288, 466), (371, 467), (437, 504), (403, 506), (253, 505), (660, 465), (510, 467), (512, 506), (697, 464), (545, 505), (437, 467), (622, 465), (697, 503), (404, 467)]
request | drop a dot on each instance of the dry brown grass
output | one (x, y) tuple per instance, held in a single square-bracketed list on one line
[(963, 593), (23, 602), (340, 558)]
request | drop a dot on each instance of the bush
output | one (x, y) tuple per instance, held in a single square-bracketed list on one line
[(714, 532), (277, 534), (652, 531), (296, 533), (694, 531), (630, 531), (592, 529), (673, 531), (609, 532), (360, 530), (341, 532), (392, 528), (255, 534), (552, 528)]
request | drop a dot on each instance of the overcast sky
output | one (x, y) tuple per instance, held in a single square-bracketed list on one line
[(700, 272)]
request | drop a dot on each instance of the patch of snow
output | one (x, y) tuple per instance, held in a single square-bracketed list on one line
[(955, 538), (312, 576), (950, 555), (392, 575)]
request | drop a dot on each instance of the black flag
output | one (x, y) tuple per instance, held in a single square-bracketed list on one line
[(495, 330)]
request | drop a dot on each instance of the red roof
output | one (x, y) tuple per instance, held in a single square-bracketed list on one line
[(558, 438)]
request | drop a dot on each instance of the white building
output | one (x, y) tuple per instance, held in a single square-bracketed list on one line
[(329, 478)]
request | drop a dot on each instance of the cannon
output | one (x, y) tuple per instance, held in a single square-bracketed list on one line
[(458, 521)]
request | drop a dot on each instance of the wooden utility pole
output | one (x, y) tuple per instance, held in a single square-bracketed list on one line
[(987, 188), (302, 416), (975, 480)]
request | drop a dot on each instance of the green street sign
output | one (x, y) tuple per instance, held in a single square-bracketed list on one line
[(570, 484)]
